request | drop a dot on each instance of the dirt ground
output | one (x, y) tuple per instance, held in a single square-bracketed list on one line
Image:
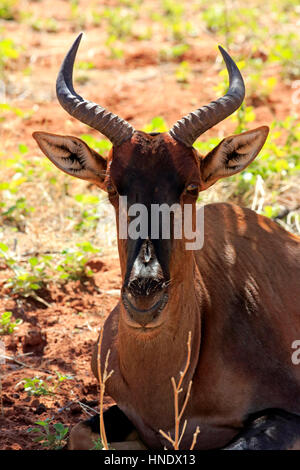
[(58, 338), (138, 86)]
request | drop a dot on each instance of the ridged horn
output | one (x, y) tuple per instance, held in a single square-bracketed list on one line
[(117, 130), (190, 127)]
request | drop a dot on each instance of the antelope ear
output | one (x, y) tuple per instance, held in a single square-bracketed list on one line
[(232, 155), (73, 156)]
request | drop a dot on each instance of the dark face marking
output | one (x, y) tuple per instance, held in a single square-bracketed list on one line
[(151, 169)]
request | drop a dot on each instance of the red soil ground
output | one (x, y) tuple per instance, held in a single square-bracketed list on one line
[(58, 338)]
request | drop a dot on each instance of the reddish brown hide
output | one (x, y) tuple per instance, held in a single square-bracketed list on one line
[(239, 295)]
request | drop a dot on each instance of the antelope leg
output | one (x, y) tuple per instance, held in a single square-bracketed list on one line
[(272, 430), (120, 432)]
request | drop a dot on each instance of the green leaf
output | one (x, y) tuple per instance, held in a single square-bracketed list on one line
[(3, 247), (59, 427), (33, 261), (43, 423), (23, 148)]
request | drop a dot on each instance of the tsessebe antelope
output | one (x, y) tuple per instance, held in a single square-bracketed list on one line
[(239, 295)]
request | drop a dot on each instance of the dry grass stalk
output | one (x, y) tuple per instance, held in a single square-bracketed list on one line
[(102, 380), (177, 389), (2, 359), (195, 435), (1, 397)]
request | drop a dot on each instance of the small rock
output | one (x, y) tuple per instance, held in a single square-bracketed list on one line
[(35, 402), (95, 265), (40, 409), (75, 409), (7, 401), (34, 341), (12, 343), (28, 420)]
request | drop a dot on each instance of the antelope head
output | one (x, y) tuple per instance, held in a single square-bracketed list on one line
[(155, 168)]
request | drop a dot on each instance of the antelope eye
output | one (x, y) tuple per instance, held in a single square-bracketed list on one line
[(111, 189), (192, 189)]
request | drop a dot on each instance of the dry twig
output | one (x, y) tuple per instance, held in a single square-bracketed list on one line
[(102, 380), (1, 397), (177, 389)]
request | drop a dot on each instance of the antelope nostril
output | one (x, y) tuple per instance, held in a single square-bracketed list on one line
[(147, 253), (142, 286), (146, 276)]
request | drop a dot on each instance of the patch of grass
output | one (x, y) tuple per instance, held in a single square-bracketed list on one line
[(85, 65), (278, 160), (286, 52), (7, 324), (244, 116), (157, 124), (100, 145), (119, 22), (89, 212), (44, 24), (98, 445), (73, 263), (173, 53), (58, 380), (50, 435), (36, 387), (15, 213), (27, 279), (8, 51), (6, 108), (77, 17), (183, 72), (8, 9), (116, 52)]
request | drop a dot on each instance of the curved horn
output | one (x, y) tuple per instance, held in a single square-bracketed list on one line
[(190, 127), (117, 130)]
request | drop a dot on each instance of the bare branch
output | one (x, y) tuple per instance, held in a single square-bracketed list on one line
[(177, 389), (195, 437), (102, 380)]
